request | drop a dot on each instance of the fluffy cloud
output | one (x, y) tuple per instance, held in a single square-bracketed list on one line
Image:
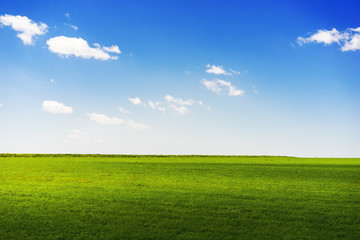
[(235, 92), (55, 107), (179, 105), (354, 42), (135, 101), (349, 40), (113, 49), (220, 70), (156, 105), (123, 110), (323, 36), (26, 27), (67, 46), (218, 86), (105, 120)]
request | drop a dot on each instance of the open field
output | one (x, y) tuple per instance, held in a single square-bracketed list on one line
[(178, 197)]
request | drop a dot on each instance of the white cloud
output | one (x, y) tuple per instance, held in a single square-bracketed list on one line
[(52, 80), (136, 125), (212, 86), (1, 105), (179, 105), (216, 70), (26, 27), (105, 120), (353, 44), (323, 36), (135, 101), (234, 72), (113, 49), (179, 109), (349, 40), (156, 105), (153, 105), (218, 86), (235, 92), (55, 107), (72, 26), (123, 110), (179, 101), (66, 46)]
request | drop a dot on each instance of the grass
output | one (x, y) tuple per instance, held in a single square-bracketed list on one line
[(178, 197)]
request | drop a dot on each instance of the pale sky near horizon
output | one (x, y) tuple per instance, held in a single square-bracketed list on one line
[(180, 77)]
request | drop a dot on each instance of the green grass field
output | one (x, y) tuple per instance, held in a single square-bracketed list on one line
[(178, 197)]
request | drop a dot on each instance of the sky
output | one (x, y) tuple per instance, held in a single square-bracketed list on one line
[(180, 77)]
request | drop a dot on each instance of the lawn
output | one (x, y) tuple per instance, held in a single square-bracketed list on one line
[(178, 197)]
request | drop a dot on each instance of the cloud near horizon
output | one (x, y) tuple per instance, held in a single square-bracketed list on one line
[(67, 46), (26, 27), (78, 135), (177, 105), (55, 107), (136, 125), (349, 40), (106, 120)]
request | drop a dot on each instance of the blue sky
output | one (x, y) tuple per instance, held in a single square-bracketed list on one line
[(180, 77)]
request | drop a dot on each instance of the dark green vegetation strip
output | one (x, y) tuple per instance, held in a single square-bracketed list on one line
[(178, 197)]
